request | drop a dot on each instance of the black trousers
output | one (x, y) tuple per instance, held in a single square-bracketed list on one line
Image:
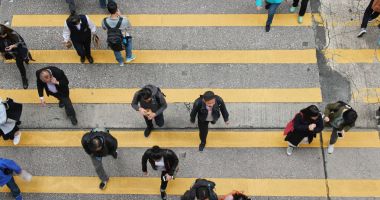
[(21, 66), (164, 184), (303, 6), (66, 101), (83, 48), (368, 15), (334, 136), (71, 5), (159, 119), (203, 130)]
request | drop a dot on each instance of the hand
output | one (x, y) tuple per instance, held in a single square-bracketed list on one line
[(43, 103), (8, 48), (312, 127), (227, 123), (168, 177), (54, 80), (146, 174), (151, 116), (142, 111), (68, 44), (259, 8), (118, 12), (327, 119)]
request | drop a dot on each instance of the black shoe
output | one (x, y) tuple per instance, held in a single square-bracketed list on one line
[(60, 104), (25, 84), (102, 185), (90, 59), (267, 28), (377, 116), (147, 131), (74, 120), (201, 146), (114, 155), (82, 59), (163, 196)]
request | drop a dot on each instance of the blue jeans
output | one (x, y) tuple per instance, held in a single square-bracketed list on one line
[(16, 193), (128, 51), (103, 3), (271, 11)]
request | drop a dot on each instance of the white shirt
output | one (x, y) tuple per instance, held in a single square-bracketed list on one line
[(160, 164), (52, 88), (209, 117), (66, 30)]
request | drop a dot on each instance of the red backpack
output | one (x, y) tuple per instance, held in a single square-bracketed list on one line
[(290, 126), (376, 6)]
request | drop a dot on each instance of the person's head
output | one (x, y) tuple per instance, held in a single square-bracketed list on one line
[(146, 94), (311, 113), (74, 19), (112, 7), (240, 196), (350, 117), (46, 76), (156, 153), (4, 31), (209, 98), (95, 144), (203, 193)]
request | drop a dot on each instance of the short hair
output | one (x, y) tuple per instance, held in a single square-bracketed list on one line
[(202, 193), (350, 117), (146, 93), (74, 19), (112, 7), (209, 95), (94, 144), (156, 153), (240, 196)]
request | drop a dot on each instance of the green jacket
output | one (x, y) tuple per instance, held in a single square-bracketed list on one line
[(335, 111)]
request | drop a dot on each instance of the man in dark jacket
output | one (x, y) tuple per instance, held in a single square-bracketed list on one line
[(99, 143), (78, 29), (164, 160), (202, 189), (151, 103), (208, 108), (56, 84)]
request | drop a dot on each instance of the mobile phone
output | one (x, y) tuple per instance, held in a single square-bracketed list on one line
[(164, 178), (340, 134)]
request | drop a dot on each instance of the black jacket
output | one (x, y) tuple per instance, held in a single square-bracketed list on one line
[(62, 88), (199, 108), (301, 129), (157, 105), (170, 160), (82, 35), (109, 143)]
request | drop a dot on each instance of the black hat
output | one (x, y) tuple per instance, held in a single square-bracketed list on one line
[(350, 116), (209, 95)]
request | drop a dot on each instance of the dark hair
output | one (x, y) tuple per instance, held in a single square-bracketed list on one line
[(202, 193), (209, 95), (240, 196), (74, 19), (350, 117), (112, 7), (311, 111), (94, 144), (146, 93), (156, 153), (6, 30)]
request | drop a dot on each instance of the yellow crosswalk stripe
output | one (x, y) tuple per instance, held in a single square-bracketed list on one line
[(121, 95), (367, 95), (354, 188), (353, 55), (171, 20), (216, 139), (150, 186), (184, 56)]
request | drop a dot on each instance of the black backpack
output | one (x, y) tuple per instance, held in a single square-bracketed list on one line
[(200, 183), (114, 35)]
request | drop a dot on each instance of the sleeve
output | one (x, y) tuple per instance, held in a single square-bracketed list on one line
[(62, 78), (3, 114), (259, 3), (298, 126), (194, 111), (103, 25), (135, 101), (348, 127), (319, 124), (125, 25), (330, 107), (85, 145), (40, 85), (12, 165), (163, 104), (223, 109), (144, 161), (174, 164), (111, 143), (66, 33), (91, 25)]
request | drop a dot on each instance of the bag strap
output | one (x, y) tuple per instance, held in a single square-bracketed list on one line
[(106, 24), (119, 23)]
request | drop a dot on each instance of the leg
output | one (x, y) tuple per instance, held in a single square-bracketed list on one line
[(97, 162), (103, 3), (272, 10), (15, 190), (295, 3), (203, 131), (71, 5), (128, 48), (367, 15), (374, 15), (149, 123), (119, 57), (80, 48), (164, 185), (159, 119), (303, 7), (334, 136), (70, 112), (21, 68), (87, 50)]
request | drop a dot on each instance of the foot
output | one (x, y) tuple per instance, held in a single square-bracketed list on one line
[(362, 32), (289, 151), (163, 196), (25, 84), (90, 59), (82, 59), (74, 120), (103, 185), (19, 197), (330, 149), (121, 64), (202, 146), (377, 116), (60, 104), (267, 28), (17, 138), (131, 59), (114, 155), (300, 19), (147, 131), (292, 9)]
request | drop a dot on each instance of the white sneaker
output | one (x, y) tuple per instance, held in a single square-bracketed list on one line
[(362, 32), (289, 150), (121, 64), (17, 139), (330, 149)]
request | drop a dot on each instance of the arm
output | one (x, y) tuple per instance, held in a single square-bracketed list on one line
[(223, 109), (195, 110), (163, 104), (135, 101), (175, 161), (91, 25), (298, 126), (348, 127), (66, 33), (319, 124), (12, 165), (61, 78), (111, 143), (144, 160), (331, 107), (40, 85)]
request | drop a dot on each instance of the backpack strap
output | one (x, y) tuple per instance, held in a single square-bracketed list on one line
[(119, 23), (106, 24)]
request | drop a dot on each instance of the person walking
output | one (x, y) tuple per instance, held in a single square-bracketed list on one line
[(341, 117), (271, 6), (202, 189), (10, 114), (305, 125), (369, 15), (7, 169), (118, 38), (103, 3), (208, 108), (54, 81), (72, 6), (302, 11), (99, 143), (163, 160), (13, 46), (235, 195), (150, 103), (77, 32)]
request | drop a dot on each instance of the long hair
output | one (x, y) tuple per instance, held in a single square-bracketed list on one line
[(309, 112), (10, 32)]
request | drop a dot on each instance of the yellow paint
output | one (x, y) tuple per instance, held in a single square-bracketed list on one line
[(354, 188), (170, 20), (353, 55), (119, 96), (184, 56), (216, 139), (150, 186), (367, 95)]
